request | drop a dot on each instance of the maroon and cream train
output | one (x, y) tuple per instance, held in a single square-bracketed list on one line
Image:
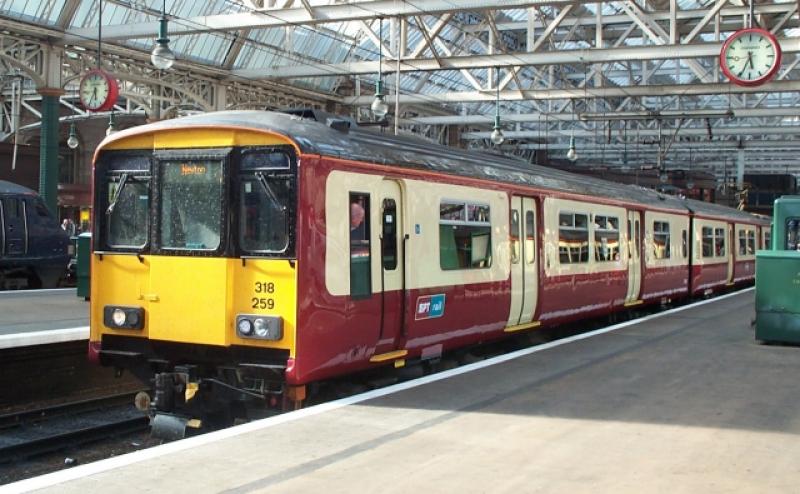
[(456, 248)]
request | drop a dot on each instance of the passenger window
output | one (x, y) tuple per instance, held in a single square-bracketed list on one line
[(708, 241), (767, 239), (514, 236), (719, 242), (684, 244), (573, 238), (606, 238), (661, 240), (751, 243), (742, 243), (389, 235), (530, 237), (360, 274), (464, 235)]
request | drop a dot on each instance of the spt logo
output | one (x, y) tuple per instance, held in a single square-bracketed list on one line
[(430, 306)]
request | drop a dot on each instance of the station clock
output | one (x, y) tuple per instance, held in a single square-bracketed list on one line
[(98, 90), (750, 57)]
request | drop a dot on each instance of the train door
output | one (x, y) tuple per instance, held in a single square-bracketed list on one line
[(392, 243), (524, 268), (731, 252), (15, 228), (634, 258)]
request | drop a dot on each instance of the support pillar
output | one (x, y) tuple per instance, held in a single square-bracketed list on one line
[(48, 149), (740, 170)]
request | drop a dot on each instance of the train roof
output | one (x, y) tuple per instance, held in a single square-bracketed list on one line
[(12, 188), (718, 210), (317, 132)]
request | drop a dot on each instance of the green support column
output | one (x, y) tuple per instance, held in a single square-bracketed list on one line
[(48, 150)]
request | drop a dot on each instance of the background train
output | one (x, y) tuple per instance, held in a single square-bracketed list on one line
[(33, 247), (240, 256)]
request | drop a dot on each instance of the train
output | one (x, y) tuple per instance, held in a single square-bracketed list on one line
[(34, 250), (240, 258)]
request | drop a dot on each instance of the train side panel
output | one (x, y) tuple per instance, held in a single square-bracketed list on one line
[(585, 264), (666, 258), (710, 263), (745, 246), (455, 269)]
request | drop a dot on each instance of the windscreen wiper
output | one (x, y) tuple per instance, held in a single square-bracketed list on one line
[(122, 182), (270, 193)]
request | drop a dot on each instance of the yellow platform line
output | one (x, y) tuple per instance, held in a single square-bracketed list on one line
[(520, 327), (383, 357)]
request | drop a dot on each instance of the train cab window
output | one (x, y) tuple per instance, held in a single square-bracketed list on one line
[(751, 243), (389, 235), (128, 211), (191, 204), (360, 273), (13, 208), (573, 238), (661, 240), (464, 235), (266, 201), (515, 236), (684, 244), (530, 237), (708, 241), (719, 242), (606, 238)]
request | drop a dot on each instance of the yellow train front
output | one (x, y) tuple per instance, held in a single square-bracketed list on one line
[(193, 266)]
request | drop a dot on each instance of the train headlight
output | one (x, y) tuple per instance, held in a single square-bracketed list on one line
[(120, 317), (245, 327), (261, 327)]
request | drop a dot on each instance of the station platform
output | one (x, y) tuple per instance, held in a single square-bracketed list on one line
[(36, 317), (681, 401)]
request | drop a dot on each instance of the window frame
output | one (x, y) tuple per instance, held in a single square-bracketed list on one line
[(105, 167), (159, 157), (530, 236), (466, 222), (605, 230), (659, 231), (571, 227), (366, 246), (145, 177), (291, 211)]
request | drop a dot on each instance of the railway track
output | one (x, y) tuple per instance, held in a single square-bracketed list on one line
[(38, 431)]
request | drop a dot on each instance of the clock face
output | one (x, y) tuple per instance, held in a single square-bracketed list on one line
[(750, 57), (97, 91)]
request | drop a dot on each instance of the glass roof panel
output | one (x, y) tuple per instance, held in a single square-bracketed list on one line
[(38, 11)]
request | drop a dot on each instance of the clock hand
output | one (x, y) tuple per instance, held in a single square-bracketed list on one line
[(750, 60)]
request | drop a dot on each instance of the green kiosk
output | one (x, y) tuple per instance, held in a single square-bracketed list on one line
[(778, 277)]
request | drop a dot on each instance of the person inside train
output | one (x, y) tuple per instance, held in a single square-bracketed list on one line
[(357, 228)]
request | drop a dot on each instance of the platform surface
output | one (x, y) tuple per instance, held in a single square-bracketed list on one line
[(684, 402), (39, 316)]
